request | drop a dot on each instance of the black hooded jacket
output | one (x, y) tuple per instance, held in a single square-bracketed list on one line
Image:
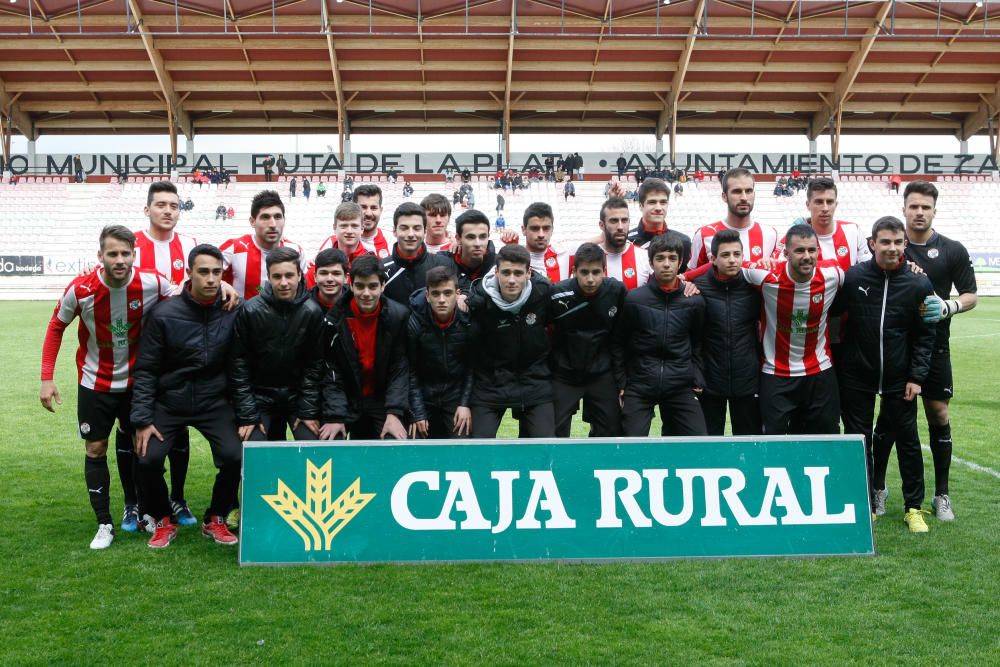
[(342, 379), (274, 361), (512, 358), (583, 329), (407, 275), (731, 349), (181, 362), (440, 358), (468, 276)]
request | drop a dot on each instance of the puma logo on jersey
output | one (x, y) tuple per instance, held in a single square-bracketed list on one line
[(863, 289)]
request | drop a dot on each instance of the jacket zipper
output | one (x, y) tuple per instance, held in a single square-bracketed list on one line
[(881, 334), (729, 338)]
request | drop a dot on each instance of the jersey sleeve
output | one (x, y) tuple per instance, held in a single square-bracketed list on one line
[(227, 260), (699, 253), (753, 276), (166, 290), (864, 253), (68, 306), (963, 275)]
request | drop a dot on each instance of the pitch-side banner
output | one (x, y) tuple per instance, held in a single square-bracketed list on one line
[(575, 500)]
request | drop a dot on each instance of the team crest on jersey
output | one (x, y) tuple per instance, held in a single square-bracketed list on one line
[(134, 304), (531, 318), (612, 311), (84, 428), (817, 298), (383, 253), (630, 272), (550, 262), (933, 253), (842, 251), (756, 251), (178, 264)]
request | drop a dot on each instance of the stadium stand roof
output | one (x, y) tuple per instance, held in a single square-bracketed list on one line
[(637, 66)]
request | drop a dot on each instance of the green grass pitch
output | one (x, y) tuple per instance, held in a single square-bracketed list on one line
[(929, 599)]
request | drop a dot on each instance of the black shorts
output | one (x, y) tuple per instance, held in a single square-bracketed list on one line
[(96, 412), (939, 385)]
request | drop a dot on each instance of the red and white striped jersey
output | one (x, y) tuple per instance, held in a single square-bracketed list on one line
[(759, 241), (794, 318), (847, 245), (432, 249), (110, 324), (378, 245), (245, 264), (168, 258), (555, 264), (630, 266)]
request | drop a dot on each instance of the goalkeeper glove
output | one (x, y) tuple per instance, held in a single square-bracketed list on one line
[(936, 309)]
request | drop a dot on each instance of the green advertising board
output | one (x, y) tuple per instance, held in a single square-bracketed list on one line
[(580, 500)]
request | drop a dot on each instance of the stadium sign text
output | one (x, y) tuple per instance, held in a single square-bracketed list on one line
[(140, 164), (564, 500)]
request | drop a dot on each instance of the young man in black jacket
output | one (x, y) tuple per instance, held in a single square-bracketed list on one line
[(730, 348), (329, 275), (409, 261), (440, 343), (366, 380), (887, 352), (660, 334), (274, 365), (473, 255), (511, 308), (585, 310), (180, 381)]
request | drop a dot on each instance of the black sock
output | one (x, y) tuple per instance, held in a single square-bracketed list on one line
[(941, 452), (95, 472), (179, 455), (125, 458), (881, 449)]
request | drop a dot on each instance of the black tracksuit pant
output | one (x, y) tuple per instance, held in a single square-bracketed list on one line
[(680, 414), (801, 405), (536, 421), (901, 418), (218, 426), (744, 414), (600, 406)]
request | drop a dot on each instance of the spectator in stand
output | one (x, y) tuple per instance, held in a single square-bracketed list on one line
[(349, 182), (640, 175), (224, 176), (456, 198), (123, 176), (268, 165), (470, 199), (196, 175), (14, 178), (407, 190), (282, 164), (569, 190), (622, 164), (78, 168), (550, 169), (188, 204), (894, 182), (449, 175), (230, 213), (292, 184), (220, 212), (679, 189), (500, 203), (501, 224), (699, 177), (466, 175), (306, 188), (321, 189), (347, 195)]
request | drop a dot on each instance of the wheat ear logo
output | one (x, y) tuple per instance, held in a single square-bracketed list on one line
[(319, 518)]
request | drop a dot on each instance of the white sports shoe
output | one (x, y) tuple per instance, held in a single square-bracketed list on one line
[(942, 508), (147, 524), (104, 537), (880, 496)]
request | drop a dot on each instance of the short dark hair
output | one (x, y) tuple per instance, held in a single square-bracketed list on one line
[(735, 172), (119, 233), (668, 241), (161, 186), (366, 266), (470, 217), (612, 202), (408, 208), (651, 185), (331, 257), (725, 236), (367, 190), (821, 184), (265, 199), (204, 249), (538, 209), (347, 211), (921, 188), (514, 253), (590, 252), (801, 231), (440, 275), (436, 204), (283, 254), (889, 222)]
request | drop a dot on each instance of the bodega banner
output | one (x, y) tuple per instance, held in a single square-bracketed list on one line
[(579, 500)]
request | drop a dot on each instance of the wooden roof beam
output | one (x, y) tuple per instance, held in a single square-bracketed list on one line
[(669, 112), (844, 82), (977, 120), (338, 87), (181, 117), (18, 117)]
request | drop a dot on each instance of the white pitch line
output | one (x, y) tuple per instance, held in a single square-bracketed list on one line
[(970, 464), (975, 336)]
